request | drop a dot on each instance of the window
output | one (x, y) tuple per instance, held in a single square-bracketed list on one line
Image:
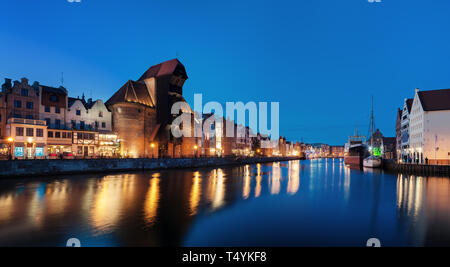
[(58, 124), (103, 124), (91, 136), (69, 135), (74, 124), (29, 117), (96, 124), (57, 110), (17, 103), (100, 114), (54, 98), (64, 135), (19, 131), (17, 116), (57, 134), (50, 134), (30, 105), (24, 92), (82, 125), (47, 109), (78, 112), (30, 132), (48, 121), (39, 133)]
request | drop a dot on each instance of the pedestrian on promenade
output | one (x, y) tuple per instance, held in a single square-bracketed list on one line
[(426, 160)]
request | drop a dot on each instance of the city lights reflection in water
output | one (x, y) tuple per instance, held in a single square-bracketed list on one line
[(298, 203)]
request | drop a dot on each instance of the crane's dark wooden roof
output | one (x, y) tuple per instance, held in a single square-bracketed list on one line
[(170, 67)]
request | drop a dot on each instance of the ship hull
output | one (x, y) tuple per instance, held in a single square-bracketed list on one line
[(353, 160), (372, 163)]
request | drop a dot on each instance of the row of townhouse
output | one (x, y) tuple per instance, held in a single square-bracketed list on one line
[(423, 128), (39, 122), (142, 118)]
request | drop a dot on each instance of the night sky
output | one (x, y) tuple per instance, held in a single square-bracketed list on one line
[(321, 59)]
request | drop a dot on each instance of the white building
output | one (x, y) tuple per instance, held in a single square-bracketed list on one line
[(405, 152), (90, 115), (430, 126), (77, 115), (99, 117)]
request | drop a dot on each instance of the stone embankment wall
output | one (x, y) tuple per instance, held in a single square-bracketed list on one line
[(24, 168), (417, 169)]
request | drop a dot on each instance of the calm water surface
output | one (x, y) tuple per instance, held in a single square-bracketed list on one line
[(299, 203)]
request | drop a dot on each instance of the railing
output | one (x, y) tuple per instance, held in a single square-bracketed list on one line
[(26, 121)]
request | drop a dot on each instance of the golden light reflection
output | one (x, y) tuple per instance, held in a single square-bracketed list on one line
[(410, 194), (294, 177), (196, 192), (56, 197), (107, 204), (6, 207), (258, 181), (247, 179), (216, 189), (275, 179), (152, 200)]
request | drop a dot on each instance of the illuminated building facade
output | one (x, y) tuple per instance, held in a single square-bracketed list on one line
[(141, 112), (29, 138), (430, 127)]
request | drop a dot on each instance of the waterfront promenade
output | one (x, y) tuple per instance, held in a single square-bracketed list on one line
[(417, 169), (25, 168)]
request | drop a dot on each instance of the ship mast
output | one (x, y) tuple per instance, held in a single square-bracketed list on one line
[(371, 127)]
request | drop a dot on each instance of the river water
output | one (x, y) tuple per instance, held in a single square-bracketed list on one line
[(299, 203)]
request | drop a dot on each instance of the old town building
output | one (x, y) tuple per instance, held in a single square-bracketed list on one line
[(53, 106), (4, 144), (85, 138), (26, 133), (2, 116), (406, 153), (337, 151), (398, 133), (430, 127), (22, 99), (141, 113), (29, 138)]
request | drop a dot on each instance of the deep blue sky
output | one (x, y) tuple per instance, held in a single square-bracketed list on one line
[(321, 59)]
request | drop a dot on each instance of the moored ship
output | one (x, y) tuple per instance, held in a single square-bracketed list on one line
[(355, 150)]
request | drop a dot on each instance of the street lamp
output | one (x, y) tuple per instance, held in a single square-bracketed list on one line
[(195, 148), (10, 141), (152, 145)]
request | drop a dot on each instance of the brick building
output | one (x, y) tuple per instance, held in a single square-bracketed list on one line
[(4, 145), (22, 99), (2, 117), (141, 113)]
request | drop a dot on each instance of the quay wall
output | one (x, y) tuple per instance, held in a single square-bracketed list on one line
[(25, 168), (417, 169)]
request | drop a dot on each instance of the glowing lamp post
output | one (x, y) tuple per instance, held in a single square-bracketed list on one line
[(153, 145), (195, 150), (10, 141)]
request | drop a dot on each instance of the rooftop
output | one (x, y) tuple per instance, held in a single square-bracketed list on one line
[(434, 100)]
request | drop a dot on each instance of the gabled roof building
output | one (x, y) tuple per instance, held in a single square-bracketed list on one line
[(430, 127), (141, 110)]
